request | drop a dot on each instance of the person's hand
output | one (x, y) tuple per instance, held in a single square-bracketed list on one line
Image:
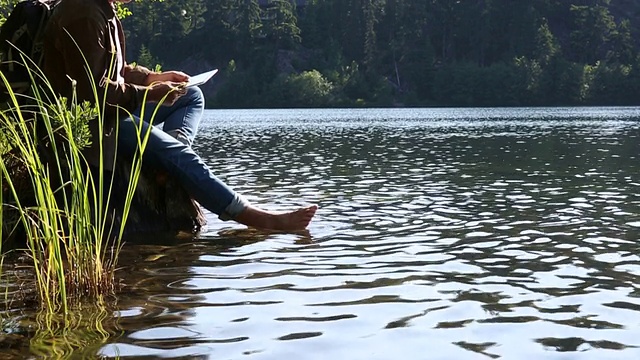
[(167, 92), (172, 76)]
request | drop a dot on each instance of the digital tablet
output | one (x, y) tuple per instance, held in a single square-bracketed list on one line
[(201, 78)]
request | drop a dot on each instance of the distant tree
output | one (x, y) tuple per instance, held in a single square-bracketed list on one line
[(513, 25), (405, 47), (164, 23), (246, 24), (622, 49), (369, 50), (307, 89), (528, 74), (216, 38), (547, 46), (445, 19), (561, 83), (593, 28), (146, 59), (609, 84), (281, 23)]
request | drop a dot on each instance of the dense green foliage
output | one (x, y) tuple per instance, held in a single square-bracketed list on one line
[(390, 52), (277, 53)]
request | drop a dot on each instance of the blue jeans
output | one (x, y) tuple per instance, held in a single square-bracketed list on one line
[(182, 119), (170, 149)]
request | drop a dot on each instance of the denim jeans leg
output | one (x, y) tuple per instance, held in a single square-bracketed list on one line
[(181, 161), (180, 120)]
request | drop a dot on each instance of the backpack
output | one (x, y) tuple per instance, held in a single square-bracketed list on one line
[(22, 35)]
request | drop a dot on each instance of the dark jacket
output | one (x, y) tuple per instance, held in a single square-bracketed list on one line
[(82, 37)]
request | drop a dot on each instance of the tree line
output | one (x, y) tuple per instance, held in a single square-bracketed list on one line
[(317, 53)]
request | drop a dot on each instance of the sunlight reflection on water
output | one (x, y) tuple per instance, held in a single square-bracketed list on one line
[(441, 234), (502, 232)]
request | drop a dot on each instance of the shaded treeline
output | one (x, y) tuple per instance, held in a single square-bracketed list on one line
[(276, 53)]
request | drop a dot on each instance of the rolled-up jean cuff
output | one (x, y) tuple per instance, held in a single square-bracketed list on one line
[(237, 205)]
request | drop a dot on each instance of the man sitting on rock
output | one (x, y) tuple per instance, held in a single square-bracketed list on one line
[(85, 33)]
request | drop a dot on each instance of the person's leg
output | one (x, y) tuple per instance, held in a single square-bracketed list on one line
[(180, 120), (164, 151), (194, 175)]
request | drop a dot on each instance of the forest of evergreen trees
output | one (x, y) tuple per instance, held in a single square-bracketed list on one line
[(316, 53)]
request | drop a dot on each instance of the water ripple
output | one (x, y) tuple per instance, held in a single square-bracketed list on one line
[(441, 233)]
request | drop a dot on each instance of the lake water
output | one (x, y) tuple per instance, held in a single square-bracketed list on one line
[(441, 234)]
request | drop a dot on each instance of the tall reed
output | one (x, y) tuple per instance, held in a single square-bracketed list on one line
[(68, 222)]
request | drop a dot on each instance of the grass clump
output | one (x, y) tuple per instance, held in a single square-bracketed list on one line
[(55, 199)]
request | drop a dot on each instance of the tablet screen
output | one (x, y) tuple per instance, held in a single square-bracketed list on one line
[(201, 78)]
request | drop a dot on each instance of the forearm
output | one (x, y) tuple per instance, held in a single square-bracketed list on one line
[(137, 75)]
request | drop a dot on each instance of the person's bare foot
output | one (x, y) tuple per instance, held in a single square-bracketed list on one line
[(288, 221)]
